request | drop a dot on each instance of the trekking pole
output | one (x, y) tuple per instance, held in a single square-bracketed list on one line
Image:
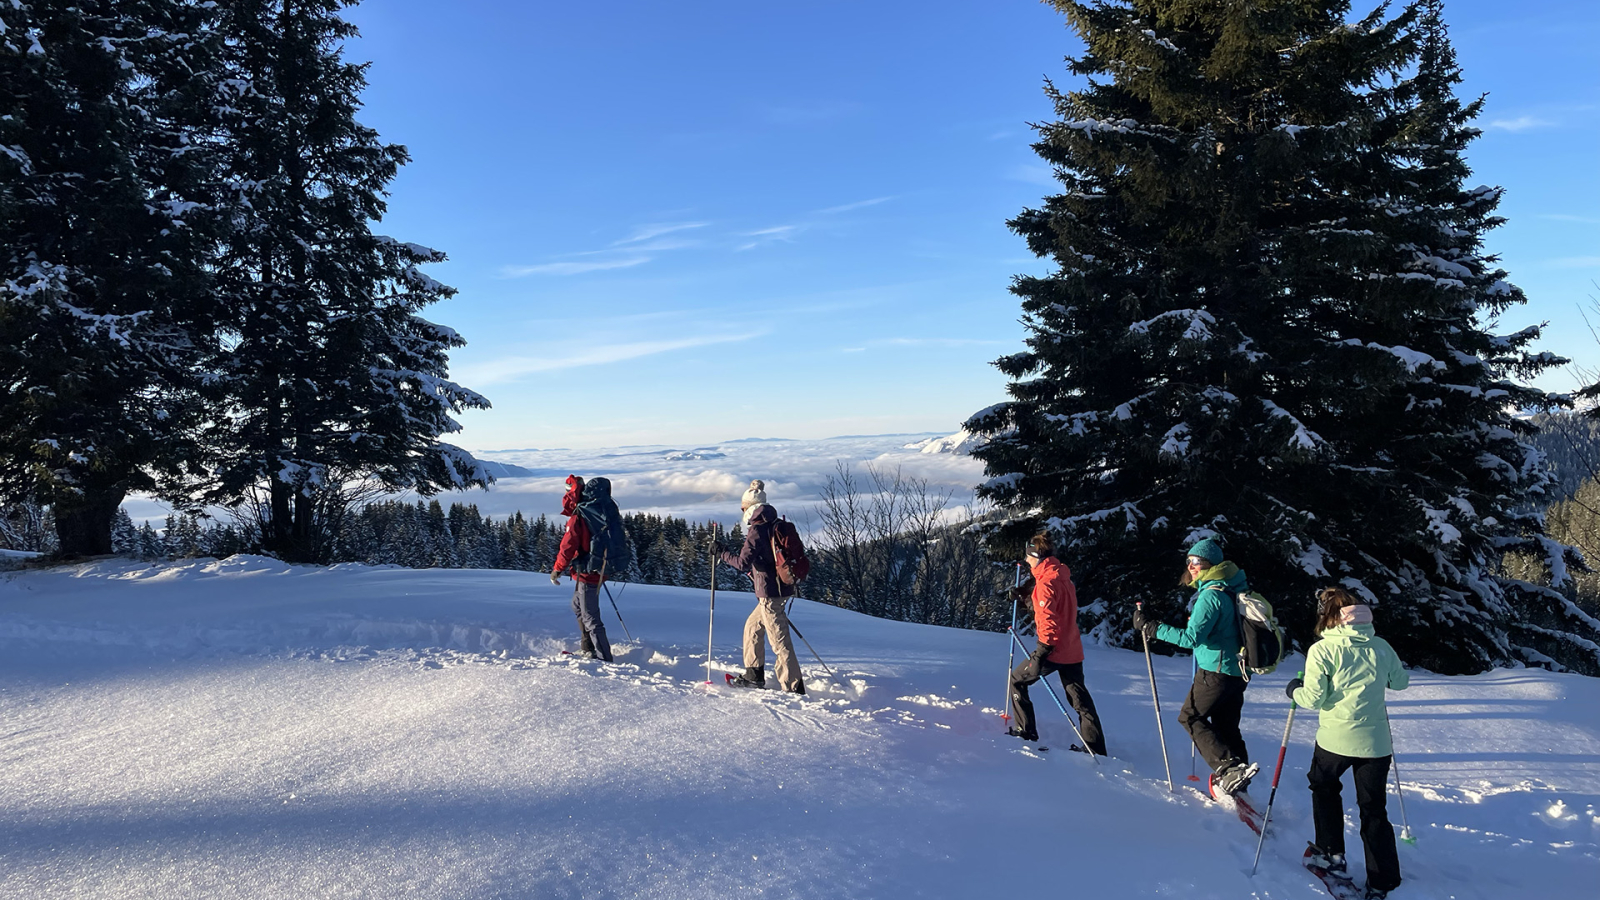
[(603, 561), (1266, 818), (1017, 642), (1156, 699), (1405, 823), (787, 611), (618, 611), (836, 679), (1011, 649), (1194, 666), (712, 618)]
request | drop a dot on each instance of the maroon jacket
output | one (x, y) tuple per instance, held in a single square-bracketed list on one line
[(755, 557)]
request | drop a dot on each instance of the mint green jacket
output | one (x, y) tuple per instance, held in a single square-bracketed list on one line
[(1213, 629), (1347, 672)]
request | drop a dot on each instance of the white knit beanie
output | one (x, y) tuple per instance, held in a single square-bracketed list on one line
[(756, 495), (752, 498)]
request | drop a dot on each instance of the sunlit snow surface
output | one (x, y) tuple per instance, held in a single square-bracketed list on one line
[(249, 729)]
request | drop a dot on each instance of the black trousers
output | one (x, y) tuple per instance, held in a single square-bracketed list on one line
[(1077, 695), (1327, 811), (1211, 716), (586, 606)]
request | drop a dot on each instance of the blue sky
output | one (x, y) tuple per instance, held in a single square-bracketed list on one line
[(682, 222)]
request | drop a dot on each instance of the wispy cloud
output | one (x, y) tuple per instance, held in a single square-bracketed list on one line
[(572, 268), (859, 204), (510, 368), (1521, 123), (786, 233), (933, 342), (657, 229), (1565, 217), (1574, 262), (775, 235)]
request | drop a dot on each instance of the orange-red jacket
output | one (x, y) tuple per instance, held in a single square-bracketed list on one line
[(1055, 611), (575, 540)]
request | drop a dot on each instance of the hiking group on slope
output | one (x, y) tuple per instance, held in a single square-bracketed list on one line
[(1347, 671)]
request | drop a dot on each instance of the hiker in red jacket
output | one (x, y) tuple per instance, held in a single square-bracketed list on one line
[(1055, 617), (574, 554)]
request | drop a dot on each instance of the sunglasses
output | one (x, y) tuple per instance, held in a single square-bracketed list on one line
[(1198, 561)]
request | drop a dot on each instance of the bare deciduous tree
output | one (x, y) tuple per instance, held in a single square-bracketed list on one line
[(890, 546)]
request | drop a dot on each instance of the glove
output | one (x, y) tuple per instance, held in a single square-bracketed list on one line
[(1040, 652), (555, 577), (1021, 591), (1294, 684), (1147, 626)]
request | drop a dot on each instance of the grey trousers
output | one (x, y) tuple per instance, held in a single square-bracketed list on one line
[(586, 606), (769, 620)]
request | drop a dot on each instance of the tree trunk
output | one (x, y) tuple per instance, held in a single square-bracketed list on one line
[(83, 526)]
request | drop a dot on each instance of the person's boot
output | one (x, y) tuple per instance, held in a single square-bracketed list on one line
[(1015, 732), (754, 676), (1332, 863), (1235, 778), (799, 688)]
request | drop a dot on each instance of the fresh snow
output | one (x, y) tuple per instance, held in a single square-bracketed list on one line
[(247, 728)]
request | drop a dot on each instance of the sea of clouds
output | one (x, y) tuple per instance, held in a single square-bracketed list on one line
[(703, 482)]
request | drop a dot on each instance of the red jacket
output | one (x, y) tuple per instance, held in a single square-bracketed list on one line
[(575, 541), (1055, 611)]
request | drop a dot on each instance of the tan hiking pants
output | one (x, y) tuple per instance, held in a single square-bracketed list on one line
[(769, 619)]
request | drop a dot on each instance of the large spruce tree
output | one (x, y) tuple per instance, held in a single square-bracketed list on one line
[(1270, 319), (328, 374), (103, 303)]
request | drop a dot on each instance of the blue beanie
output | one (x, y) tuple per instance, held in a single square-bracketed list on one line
[(1207, 549)]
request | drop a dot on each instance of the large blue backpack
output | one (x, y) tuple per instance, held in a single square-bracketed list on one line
[(608, 544)]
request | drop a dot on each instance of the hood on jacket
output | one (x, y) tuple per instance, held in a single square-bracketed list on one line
[(762, 514), (1223, 575), (1359, 633), (574, 496)]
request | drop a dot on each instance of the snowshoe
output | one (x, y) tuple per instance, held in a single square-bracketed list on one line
[(1375, 893), (1235, 779), (1013, 731), (1333, 863), (1330, 869), (745, 681)]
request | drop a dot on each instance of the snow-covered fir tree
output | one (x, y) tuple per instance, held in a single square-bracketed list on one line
[(1270, 318), (104, 306), (329, 375)]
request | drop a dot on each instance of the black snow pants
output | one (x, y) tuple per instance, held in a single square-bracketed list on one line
[(1077, 695), (586, 606), (1327, 811), (1211, 716)]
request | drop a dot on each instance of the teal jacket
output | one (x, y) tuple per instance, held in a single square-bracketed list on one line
[(1346, 674), (1213, 629)]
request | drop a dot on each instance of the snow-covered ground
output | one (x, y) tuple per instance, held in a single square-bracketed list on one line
[(246, 728)]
